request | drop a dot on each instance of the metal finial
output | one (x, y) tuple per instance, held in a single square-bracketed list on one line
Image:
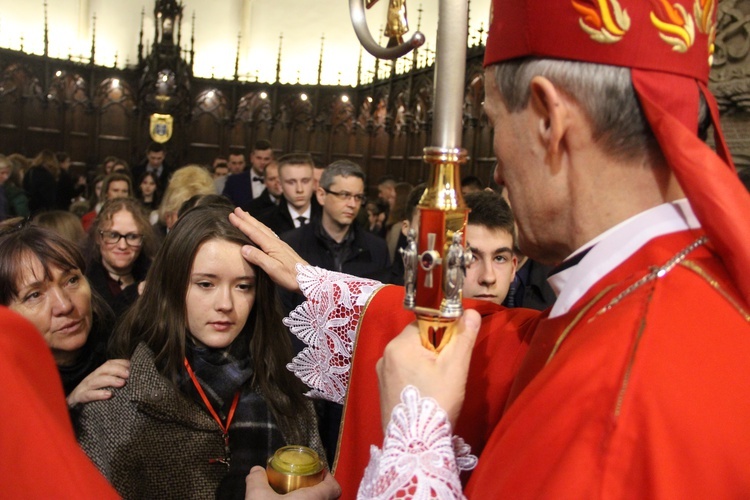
[(278, 58), (320, 57), (93, 39), (46, 31), (237, 58)]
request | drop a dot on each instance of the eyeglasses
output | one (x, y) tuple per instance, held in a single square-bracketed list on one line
[(113, 238), (346, 196)]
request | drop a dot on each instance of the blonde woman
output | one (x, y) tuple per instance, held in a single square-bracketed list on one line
[(185, 183)]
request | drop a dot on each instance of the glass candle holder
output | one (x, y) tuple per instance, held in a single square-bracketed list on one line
[(294, 467)]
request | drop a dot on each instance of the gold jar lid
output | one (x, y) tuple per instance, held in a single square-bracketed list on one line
[(296, 461)]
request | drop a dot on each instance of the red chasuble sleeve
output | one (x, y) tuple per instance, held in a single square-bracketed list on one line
[(498, 352), (39, 456)]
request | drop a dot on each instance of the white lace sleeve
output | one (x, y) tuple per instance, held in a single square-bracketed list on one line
[(420, 459), (327, 322)]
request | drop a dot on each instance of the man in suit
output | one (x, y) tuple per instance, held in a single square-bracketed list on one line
[(270, 196), (244, 186), (155, 163), (297, 207)]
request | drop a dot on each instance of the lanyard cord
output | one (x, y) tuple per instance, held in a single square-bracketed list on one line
[(224, 427)]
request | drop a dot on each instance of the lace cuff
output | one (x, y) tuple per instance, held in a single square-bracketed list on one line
[(419, 459), (327, 322)]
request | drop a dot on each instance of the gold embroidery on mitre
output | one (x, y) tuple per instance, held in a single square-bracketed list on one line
[(602, 24), (678, 30), (703, 10)]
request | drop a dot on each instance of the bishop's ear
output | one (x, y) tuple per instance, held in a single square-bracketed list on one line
[(551, 109)]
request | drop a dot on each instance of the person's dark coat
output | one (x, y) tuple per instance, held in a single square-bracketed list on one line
[(151, 441), (99, 281), (260, 205), (41, 188), (239, 189), (280, 221)]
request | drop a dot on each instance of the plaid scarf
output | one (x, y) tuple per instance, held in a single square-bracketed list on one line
[(253, 434)]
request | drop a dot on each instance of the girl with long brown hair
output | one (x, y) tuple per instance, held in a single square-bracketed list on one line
[(209, 394)]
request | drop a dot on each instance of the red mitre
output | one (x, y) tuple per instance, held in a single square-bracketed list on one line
[(669, 46)]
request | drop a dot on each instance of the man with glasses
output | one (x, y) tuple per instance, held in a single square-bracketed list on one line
[(335, 242)]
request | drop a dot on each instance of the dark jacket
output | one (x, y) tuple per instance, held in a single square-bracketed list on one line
[(41, 188), (238, 188), (260, 205), (98, 279), (66, 190), (366, 255), (150, 441), (530, 288), (93, 354), (279, 219)]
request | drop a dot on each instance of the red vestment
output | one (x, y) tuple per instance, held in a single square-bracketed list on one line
[(638, 391), (39, 456), (497, 356)]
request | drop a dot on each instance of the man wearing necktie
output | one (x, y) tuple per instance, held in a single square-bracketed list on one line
[(245, 186), (297, 206)]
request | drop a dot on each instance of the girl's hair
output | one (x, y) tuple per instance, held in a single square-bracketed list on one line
[(159, 319), (157, 192), (64, 223), (104, 220), (20, 240), (93, 199)]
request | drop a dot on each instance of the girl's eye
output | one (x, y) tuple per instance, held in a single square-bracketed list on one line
[(204, 284), (32, 296), (246, 286)]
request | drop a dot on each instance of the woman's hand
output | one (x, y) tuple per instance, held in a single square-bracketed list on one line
[(439, 376), (257, 488), (273, 256), (113, 373)]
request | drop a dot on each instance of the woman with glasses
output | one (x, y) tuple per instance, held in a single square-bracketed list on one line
[(209, 395), (42, 279), (121, 245)]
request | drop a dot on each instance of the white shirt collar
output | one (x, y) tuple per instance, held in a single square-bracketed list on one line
[(296, 214), (614, 246)]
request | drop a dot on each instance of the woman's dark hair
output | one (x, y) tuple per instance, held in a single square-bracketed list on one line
[(159, 320), (157, 193), (20, 240)]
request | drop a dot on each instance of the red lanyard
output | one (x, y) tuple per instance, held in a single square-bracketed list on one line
[(224, 427)]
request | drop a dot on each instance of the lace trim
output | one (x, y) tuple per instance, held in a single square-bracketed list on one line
[(327, 322), (420, 459)]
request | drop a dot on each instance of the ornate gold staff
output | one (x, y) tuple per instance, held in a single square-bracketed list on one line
[(435, 256)]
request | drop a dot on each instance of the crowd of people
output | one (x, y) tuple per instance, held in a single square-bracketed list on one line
[(198, 316), (94, 266)]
